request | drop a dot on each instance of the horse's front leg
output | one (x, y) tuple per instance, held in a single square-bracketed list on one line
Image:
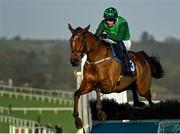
[(100, 113), (85, 87)]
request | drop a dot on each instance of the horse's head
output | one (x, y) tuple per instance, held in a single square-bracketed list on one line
[(78, 44)]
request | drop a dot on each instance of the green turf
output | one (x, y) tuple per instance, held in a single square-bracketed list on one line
[(4, 127), (64, 118)]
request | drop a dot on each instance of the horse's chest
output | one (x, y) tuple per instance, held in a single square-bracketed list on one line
[(90, 73), (95, 74)]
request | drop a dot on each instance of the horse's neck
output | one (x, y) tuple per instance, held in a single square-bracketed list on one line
[(97, 48)]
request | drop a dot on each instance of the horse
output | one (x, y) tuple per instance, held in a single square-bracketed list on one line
[(102, 73)]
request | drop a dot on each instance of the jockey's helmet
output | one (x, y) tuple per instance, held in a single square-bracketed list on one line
[(110, 12)]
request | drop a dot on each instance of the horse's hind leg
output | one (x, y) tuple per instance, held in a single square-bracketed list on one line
[(137, 103), (148, 97), (100, 114)]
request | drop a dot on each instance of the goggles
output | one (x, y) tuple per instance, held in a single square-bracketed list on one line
[(111, 19)]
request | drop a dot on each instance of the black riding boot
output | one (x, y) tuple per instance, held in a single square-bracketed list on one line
[(128, 71)]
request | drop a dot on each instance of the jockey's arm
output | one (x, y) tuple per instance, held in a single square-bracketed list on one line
[(100, 29)]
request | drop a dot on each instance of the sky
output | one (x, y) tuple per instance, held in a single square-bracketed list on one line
[(48, 19)]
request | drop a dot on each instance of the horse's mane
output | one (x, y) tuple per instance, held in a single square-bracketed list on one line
[(91, 34), (97, 38)]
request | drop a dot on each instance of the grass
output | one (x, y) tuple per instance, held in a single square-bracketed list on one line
[(64, 118), (4, 127)]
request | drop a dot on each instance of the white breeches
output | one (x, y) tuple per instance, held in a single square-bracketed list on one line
[(127, 44)]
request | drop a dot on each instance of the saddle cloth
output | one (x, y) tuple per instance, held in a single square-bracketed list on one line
[(117, 54)]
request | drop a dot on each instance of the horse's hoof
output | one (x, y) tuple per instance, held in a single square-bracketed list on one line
[(139, 104), (78, 123), (101, 116)]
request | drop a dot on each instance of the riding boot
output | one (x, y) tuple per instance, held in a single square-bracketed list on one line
[(127, 64)]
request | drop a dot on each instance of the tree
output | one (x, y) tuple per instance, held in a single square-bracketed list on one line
[(144, 37), (17, 38)]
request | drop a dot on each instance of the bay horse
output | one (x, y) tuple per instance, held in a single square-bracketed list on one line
[(102, 73)]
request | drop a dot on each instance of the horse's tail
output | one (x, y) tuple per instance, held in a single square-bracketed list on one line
[(157, 70)]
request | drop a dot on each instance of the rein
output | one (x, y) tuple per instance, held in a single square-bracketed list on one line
[(89, 50), (95, 62), (99, 61)]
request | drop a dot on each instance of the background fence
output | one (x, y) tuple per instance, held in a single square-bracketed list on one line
[(40, 97), (16, 121), (40, 110), (20, 108), (49, 92)]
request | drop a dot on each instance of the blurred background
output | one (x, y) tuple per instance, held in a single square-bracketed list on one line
[(35, 51)]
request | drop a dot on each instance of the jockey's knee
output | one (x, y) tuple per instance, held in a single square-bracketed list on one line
[(121, 44), (127, 44)]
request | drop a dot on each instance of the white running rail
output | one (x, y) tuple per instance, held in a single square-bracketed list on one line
[(42, 98), (30, 90), (40, 110)]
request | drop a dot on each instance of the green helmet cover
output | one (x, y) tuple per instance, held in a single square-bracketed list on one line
[(110, 12)]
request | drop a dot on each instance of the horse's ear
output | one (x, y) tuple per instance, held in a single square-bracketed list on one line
[(86, 29), (70, 28)]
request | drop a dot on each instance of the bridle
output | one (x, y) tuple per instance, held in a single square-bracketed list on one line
[(86, 50), (83, 52)]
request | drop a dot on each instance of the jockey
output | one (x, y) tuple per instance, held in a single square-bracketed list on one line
[(116, 28)]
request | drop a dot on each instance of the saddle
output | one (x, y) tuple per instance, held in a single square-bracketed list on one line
[(118, 55)]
